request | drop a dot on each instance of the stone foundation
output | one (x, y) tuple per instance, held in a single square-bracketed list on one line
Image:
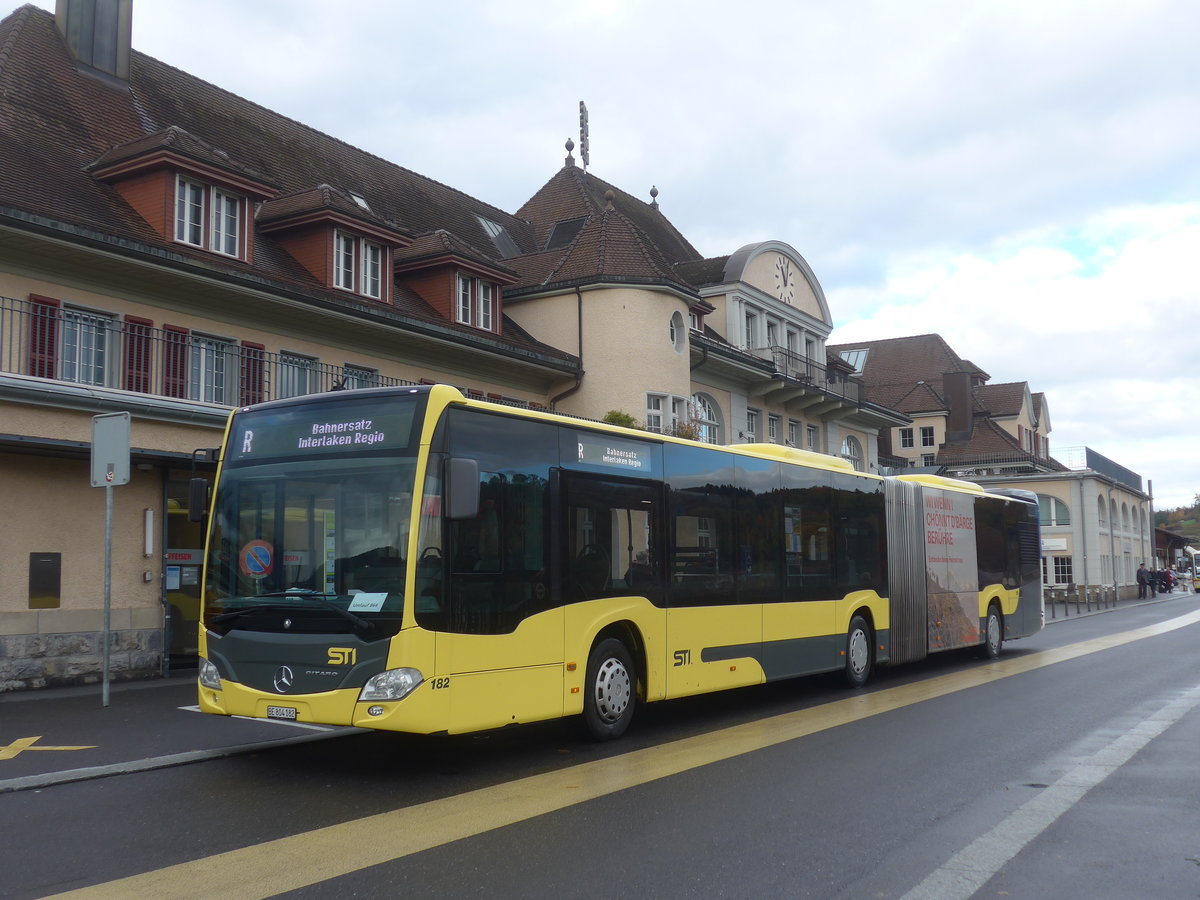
[(29, 661)]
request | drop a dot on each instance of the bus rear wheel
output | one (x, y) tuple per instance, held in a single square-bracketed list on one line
[(993, 634), (611, 690), (858, 652)]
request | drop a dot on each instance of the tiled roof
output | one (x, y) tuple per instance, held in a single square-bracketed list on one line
[(907, 360), (991, 443), (571, 194), (320, 198), (56, 125), (1003, 399), (442, 243), (177, 141), (701, 272)]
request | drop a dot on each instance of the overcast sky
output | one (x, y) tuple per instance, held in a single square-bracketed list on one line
[(1021, 177)]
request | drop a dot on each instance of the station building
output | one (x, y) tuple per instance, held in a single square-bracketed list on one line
[(171, 250), (1096, 516)]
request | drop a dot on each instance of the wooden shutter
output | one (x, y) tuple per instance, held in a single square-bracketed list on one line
[(175, 361), (43, 336), (139, 351), (251, 380)]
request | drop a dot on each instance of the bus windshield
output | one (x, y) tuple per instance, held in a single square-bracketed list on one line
[(308, 547)]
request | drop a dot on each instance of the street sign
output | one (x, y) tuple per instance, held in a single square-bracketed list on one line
[(110, 449), (110, 467)]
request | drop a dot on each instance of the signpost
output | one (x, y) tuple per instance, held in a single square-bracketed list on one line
[(110, 467)]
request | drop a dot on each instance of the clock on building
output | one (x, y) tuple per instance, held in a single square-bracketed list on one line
[(785, 280)]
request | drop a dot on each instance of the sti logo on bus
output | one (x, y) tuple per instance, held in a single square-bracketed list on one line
[(343, 656)]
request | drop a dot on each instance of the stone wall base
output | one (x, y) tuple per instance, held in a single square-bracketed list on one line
[(29, 661)]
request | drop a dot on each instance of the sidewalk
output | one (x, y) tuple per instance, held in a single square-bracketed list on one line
[(58, 735)]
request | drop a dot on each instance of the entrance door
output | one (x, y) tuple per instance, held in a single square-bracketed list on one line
[(182, 566)]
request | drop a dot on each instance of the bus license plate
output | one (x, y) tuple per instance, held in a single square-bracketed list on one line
[(281, 712)]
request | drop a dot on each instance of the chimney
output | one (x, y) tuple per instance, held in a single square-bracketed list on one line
[(99, 33), (956, 386)]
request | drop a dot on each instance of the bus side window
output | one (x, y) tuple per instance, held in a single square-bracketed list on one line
[(611, 546)]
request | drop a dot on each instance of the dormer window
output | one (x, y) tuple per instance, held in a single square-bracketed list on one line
[(208, 217), (476, 302), (357, 265)]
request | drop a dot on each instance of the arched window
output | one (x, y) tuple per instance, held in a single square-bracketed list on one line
[(852, 451), (1125, 516), (1102, 506), (707, 416), (1052, 511)]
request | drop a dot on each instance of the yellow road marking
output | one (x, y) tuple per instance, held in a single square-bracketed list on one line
[(291, 863), (20, 745)]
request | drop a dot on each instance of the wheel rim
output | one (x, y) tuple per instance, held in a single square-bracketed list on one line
[(858, 653), (993, 632), (613, 690)]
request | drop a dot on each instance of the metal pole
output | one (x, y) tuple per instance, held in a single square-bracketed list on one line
[(108, 520)]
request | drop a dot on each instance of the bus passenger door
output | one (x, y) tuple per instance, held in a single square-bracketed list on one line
[(500, 642)]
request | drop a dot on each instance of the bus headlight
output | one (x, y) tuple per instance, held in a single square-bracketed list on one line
[(209, 676), (394, 684)]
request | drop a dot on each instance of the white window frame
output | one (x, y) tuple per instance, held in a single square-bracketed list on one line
[(226, 229), (752, 416), (354, 377), (773, 422), (927, 436), (485, 305), (852, 452), (189, 211), (812, 437), (210, 365), (86, 346), (475, 302), (704, 411), (906, 438), (358, 264), (296, 373), (371, 284), (209, 217), (654, 412)]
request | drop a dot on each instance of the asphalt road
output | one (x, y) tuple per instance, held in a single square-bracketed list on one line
[(1065, 769)]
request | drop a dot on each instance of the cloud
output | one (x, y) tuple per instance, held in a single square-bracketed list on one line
[(1101, 317)]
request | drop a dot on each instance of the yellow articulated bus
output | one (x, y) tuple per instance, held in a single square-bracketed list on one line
[(412, 560)]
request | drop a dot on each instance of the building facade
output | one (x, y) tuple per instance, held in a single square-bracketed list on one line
[(173, 251)]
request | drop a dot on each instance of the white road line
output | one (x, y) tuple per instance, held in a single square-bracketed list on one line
[(973, 866)]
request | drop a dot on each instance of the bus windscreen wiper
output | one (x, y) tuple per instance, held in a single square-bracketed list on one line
[(322, 598)]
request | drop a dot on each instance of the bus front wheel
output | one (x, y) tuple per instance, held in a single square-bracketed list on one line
[(858, 652), (611, 688)]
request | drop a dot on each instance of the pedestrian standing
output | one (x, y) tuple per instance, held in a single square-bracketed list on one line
[(1141, 581)]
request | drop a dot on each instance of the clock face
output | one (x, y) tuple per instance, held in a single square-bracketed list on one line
[(785, 280)]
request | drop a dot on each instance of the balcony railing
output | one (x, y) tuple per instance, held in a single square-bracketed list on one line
[(45, 339), (796, 367)]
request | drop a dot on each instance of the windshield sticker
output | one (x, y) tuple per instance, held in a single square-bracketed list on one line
[(364, 602), (257, 559)]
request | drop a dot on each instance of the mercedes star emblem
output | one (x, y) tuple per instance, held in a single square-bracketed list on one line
[(283, 679)]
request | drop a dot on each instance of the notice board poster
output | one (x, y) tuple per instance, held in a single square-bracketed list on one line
[(952, 569)]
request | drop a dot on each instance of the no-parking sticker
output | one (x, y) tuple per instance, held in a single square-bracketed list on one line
[(257, 559)]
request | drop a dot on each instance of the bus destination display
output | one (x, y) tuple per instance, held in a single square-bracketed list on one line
[(313, 431)]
